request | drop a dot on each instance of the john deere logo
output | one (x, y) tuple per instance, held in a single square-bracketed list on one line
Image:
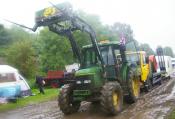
[(49, 11)]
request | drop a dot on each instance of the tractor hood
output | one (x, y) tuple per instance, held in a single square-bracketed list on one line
[(88, 71)]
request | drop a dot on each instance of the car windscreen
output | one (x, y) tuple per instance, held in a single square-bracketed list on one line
[(7, 77)]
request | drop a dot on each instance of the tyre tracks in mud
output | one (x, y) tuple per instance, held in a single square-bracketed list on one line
[(155, 104)]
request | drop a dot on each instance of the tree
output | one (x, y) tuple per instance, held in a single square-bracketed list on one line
[(54, 51), (18, 33), (122, 29), (103, 32), (22, 55), (4, 36), (168, 51), (145, 47)]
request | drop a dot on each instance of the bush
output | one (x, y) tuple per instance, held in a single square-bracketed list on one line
[(21, 55)]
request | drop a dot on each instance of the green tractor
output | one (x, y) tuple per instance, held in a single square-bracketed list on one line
[(106, 83), (104, 75)]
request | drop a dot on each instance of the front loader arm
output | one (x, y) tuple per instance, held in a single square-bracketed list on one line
[(61, 20)]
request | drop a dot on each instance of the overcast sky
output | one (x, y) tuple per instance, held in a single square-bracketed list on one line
[(153, 21)]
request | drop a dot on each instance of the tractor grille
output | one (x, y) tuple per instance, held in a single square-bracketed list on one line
[(81, 92), (83, 78), (83, 82)]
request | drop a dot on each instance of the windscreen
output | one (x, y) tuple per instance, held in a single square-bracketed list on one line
[(7, 77), (133, 57), (90, 57)]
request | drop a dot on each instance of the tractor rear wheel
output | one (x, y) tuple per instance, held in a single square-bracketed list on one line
[(134, 88), (111, 98), (65, 100)]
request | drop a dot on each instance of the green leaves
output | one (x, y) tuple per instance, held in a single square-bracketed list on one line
[(21, 55), (168, 51), (54, 51), (4, 36), (145, 47)]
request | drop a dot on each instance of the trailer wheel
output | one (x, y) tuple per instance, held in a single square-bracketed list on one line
[(111, 98), (65, 100), (148, 85), (134, 88)]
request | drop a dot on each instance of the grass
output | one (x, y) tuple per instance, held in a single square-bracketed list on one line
[(172, 115), (50, 94)]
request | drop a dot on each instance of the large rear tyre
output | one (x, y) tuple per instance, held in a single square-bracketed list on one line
[(111, 98), (65, 100), (133, 88)]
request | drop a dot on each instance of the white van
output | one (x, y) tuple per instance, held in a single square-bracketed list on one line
[(173, 62), (168, 65)]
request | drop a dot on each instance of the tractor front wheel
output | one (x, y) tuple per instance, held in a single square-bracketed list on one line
[(65, 100), (111, 98), (133, 88)]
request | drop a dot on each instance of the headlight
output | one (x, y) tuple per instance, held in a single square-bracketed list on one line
[(87, 81), (78, 82)]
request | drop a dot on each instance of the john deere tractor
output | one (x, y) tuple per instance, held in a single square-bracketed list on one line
[(104, 75)]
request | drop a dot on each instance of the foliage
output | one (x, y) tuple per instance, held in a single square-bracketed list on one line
[(17, 33), (145, 47), (171, 115), (103, 32), (5, 39), (168, 51), (21, 55), (4, 36), (54, 51), (123, 29)]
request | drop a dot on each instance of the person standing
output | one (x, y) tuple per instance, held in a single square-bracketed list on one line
[(40, 83)]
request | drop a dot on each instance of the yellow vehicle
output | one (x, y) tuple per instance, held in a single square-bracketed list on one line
[(147, 67), (141, 60)]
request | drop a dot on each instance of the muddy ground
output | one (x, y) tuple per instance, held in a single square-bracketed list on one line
[(156, 104)]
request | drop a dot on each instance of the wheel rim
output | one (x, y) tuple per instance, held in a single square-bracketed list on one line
[(135, 87), (115, 98)]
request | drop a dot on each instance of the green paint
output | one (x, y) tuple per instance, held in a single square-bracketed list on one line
[(95, 74), (81, 92), (123, 73), (78, 98), (88, 71)]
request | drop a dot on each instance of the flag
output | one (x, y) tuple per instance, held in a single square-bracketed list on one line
[(122, 40)]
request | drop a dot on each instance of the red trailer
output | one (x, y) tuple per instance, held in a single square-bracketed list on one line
[(54, 78)]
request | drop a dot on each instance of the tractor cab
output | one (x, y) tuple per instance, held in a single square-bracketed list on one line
[(108, 52)]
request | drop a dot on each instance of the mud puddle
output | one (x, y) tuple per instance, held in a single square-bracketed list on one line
[(153, 105)]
